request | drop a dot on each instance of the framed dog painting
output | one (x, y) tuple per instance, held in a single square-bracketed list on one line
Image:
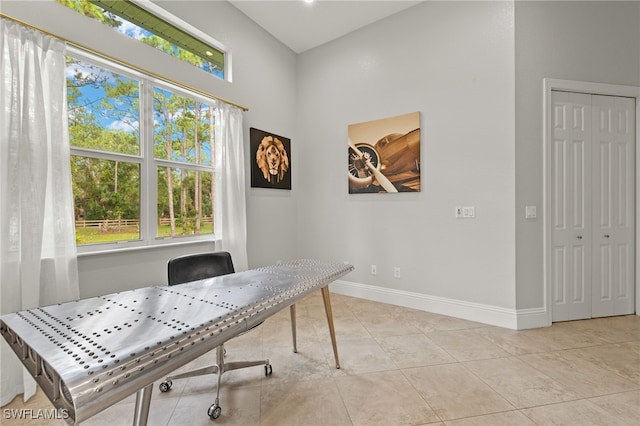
[(270, 160)]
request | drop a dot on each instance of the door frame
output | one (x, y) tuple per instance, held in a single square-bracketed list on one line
[(592, 89)]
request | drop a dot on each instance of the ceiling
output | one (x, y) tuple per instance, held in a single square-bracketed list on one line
[(302, 26)]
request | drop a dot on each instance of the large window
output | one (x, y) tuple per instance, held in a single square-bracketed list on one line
[(141, 157)]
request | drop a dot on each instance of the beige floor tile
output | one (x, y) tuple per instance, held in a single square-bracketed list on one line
[(610, 329), (362, 308), (387, 325), (582, 413), (508, 418), (383, 398), (309, 403), (518, 342), (453, 392), (309, 363), (415, 350), (520, 384), (277, 331), (564, 335), (624, 406), (427, 322), (622, 359), (361, 356), (347, 328), (240, 406), (466, 345), (578, 374)]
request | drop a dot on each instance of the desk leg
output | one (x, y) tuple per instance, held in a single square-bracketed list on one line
[(143, 401), (332, 330), (292, 309)]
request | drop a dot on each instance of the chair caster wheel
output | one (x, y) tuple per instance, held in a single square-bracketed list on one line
[(214, 411), (165, 386), (268, 370)]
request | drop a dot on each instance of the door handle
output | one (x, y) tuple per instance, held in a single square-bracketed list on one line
[(606, 235), (579, 237)]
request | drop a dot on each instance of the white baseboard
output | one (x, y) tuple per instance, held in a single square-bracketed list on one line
[(486, 314)]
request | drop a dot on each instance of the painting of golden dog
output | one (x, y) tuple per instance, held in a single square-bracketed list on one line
[(270, 160)]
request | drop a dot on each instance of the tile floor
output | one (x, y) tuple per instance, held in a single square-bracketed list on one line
[(405, 367)]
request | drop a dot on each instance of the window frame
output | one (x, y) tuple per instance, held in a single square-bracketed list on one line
[(184, 31), (148, 163)]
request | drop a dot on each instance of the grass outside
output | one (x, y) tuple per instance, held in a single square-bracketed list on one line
[(93, 235)]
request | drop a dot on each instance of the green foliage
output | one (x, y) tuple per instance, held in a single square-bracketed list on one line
[(92, 11)]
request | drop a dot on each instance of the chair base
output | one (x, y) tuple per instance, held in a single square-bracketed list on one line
[(218, 369)]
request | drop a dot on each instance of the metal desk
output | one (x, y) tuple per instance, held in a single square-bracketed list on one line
[(89, 354)]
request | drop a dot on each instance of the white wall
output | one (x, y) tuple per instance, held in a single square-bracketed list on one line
[(264, 77), (585, 41), (454, 63)]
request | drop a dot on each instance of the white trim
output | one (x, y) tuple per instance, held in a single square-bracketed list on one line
[(550, 85), (486, 314), (214, 243)]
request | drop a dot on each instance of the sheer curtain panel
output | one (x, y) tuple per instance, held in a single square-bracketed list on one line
[(38, 263), (230, 184)]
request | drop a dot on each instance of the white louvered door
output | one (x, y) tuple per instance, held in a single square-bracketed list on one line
[(592, 205)]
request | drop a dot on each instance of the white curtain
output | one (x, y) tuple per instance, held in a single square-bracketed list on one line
[(231, 215), (38, 263)]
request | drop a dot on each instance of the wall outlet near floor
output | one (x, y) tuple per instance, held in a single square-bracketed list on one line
[(396, 272), (374, 270)]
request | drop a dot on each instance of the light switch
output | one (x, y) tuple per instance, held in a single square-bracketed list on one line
[(530, 212)]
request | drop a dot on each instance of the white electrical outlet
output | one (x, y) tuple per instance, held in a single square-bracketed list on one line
[(396, 272), (374, 270)]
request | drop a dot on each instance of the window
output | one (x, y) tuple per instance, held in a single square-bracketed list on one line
[(152, 25), (141, 157), (183, 137)]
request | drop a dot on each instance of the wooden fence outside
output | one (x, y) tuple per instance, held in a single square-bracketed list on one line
[(107, 224)]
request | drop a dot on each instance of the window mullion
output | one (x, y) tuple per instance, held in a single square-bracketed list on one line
[(149, 175)]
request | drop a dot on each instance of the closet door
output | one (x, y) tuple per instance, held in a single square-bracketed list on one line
[(593, 208), (571, 220), (613, 135)]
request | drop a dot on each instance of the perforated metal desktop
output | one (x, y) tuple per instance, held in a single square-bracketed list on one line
[(89, 354)]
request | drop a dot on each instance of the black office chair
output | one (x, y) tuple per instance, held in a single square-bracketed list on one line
[(195, 267)]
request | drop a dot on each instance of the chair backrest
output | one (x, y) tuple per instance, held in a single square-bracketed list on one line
[(193, 267)]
